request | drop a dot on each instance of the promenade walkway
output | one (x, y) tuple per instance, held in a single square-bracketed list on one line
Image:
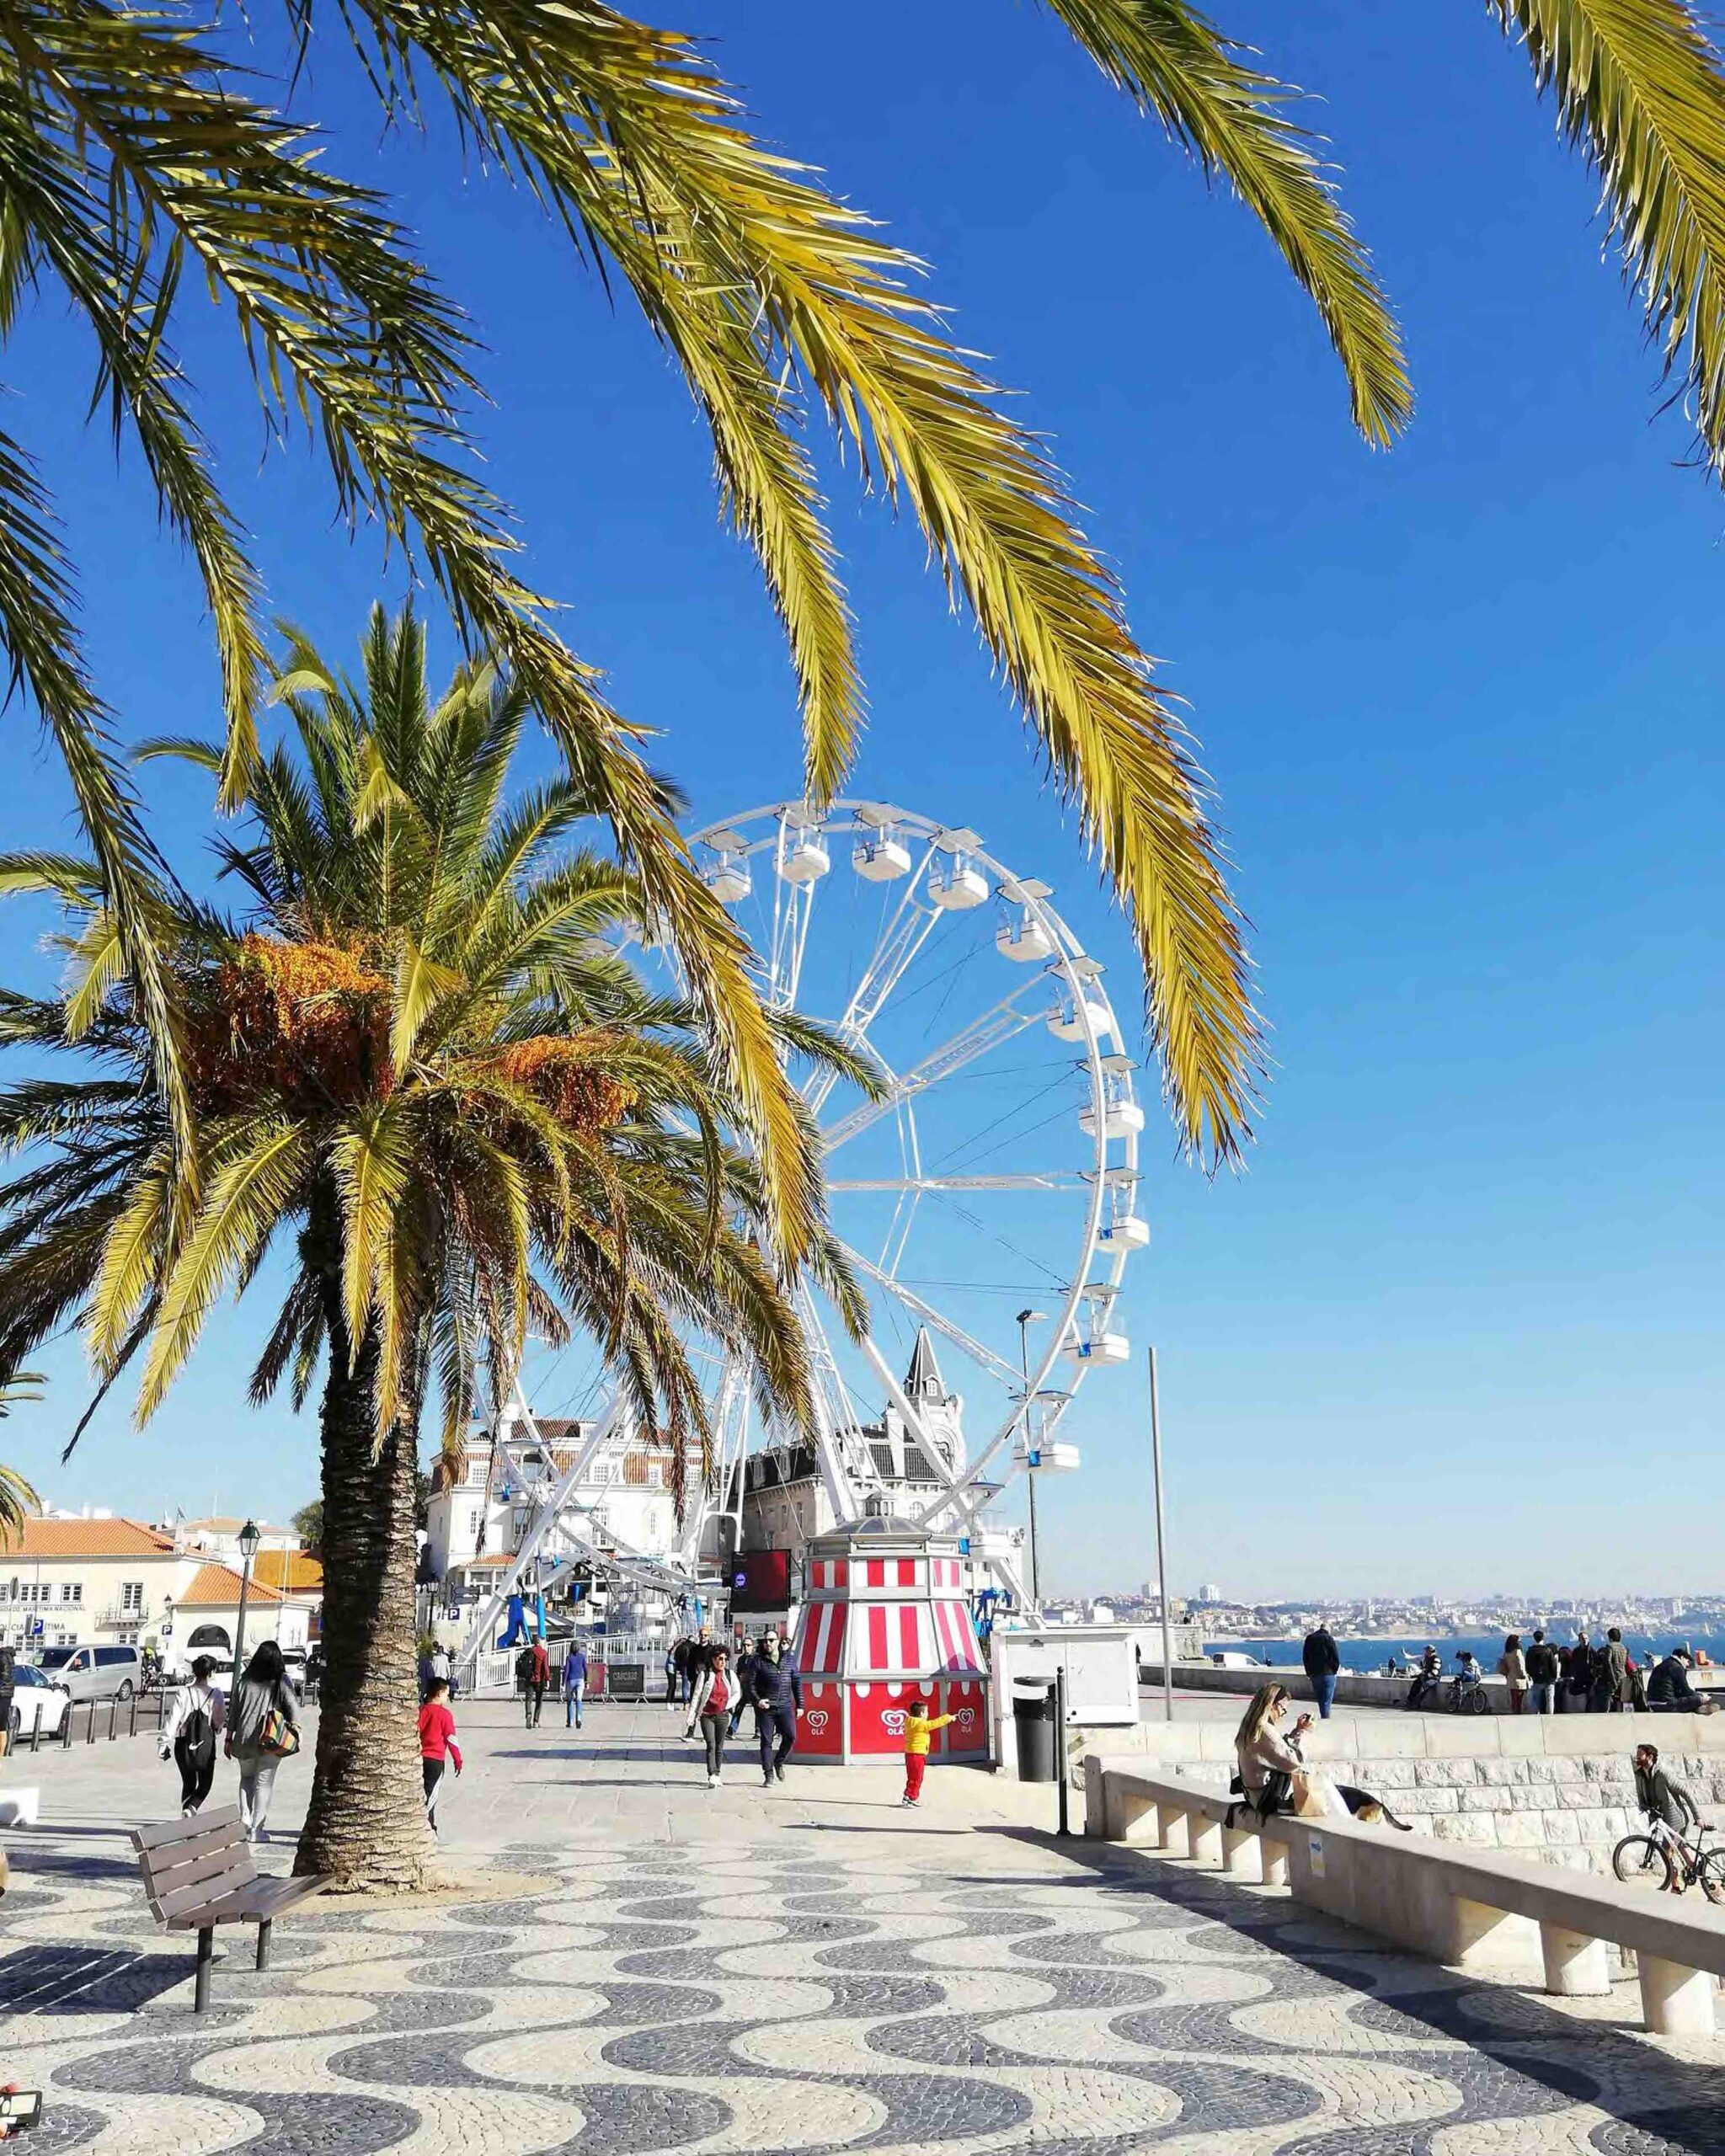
[(811, 1969)]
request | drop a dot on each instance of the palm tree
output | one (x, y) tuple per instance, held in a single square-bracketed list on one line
[(18, 1500), (454, 1115), (135, 149)]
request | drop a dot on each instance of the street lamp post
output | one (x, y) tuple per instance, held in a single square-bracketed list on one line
[(1026, 1319), (249, 1539)]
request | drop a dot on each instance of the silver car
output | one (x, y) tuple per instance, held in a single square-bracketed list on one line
[(94, 1672)]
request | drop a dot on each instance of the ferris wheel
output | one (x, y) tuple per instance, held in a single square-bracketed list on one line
[(987, 1202)]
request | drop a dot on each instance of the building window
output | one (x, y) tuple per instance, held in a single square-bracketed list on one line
[(655, 1475), (70, 1592), (132, 1597)]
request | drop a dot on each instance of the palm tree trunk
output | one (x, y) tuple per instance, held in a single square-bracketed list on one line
[(366, 1823)]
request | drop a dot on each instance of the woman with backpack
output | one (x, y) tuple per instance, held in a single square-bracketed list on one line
[(189, 1738), (263, 1730)]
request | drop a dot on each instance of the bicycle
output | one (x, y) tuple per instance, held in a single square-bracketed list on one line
[(1685, 1863), (1466, 1694)]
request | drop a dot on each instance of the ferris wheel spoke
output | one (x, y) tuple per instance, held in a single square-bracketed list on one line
[(1003, 1023), (929, 1316), (895, 951), (1057, 1180)]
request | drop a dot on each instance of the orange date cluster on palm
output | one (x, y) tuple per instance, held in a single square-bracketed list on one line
[(289, 1021), (569, 1078)]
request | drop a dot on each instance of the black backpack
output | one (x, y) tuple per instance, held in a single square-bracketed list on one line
[(197, 1733)]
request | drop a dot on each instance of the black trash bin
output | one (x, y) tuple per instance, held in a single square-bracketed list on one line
[(1034, 1721)]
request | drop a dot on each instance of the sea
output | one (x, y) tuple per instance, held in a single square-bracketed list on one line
[(1364, 1656)]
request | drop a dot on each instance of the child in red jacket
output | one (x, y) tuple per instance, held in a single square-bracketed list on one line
[(437, 1745)]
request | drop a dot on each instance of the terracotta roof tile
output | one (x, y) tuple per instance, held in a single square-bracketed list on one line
[(216, 1586), (294, 1571), (85, 1538)]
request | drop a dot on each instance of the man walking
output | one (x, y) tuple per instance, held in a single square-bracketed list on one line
[(1541, 1676), (1322, 1665), (747, 1656), (533, 1674), (777, 1692), (574, 1684)]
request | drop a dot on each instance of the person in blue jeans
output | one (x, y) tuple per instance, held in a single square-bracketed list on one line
[(1322, 1664), (574, 1685), (777, 1691)]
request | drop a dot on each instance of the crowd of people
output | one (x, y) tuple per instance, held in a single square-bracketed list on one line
[(1587, 1677), (259, 1725), (701, 1675)]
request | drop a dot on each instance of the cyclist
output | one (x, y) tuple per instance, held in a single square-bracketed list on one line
[(1670, 1809)]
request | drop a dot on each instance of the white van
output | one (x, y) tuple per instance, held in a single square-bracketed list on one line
[(94, 1672)]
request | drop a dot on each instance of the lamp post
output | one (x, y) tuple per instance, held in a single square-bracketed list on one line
[(1162, 1540), (249, 1539), (1026, 1319)]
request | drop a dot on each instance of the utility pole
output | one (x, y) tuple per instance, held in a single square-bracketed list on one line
[(1026, 1319), (1161, 1542)]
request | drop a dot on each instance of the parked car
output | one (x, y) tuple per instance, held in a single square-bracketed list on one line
[(36, 1703), (95, 1673)]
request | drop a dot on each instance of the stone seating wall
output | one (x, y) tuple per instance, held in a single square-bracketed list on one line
[(1556, 1790)]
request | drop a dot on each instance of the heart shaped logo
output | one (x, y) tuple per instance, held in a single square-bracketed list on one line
[(816, 1720)]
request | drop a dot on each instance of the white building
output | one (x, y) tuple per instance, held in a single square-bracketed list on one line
[(106, 1581), (784, 1500), (218, 1536), (478, 1517)]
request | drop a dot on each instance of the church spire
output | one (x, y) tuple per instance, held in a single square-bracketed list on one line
[(923, 1379)]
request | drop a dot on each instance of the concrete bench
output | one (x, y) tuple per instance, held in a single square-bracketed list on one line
[(1477, 1912), (199, 1872)]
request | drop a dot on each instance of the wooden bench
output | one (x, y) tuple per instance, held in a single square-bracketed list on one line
[(199, 1872), (1471, 1909)]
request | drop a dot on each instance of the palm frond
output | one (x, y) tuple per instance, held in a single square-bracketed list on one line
[(633, 138), (18, 1501), (1173, 63), (38, 637), (244, 1201), (1640, 90)]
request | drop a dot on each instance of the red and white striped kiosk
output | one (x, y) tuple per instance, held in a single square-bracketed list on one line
[(886, 1618)]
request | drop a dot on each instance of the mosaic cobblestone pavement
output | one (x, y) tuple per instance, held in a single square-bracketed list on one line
[(821, 1992)]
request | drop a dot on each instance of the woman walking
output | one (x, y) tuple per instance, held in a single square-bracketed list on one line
[(715, 1695), (189, 1738), (263, 1730)]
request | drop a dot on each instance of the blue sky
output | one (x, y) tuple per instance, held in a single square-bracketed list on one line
[(1456, 1322)]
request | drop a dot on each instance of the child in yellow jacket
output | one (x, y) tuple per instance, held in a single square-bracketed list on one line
[(919, 1726)]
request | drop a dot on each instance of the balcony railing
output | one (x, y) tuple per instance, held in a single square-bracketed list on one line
[(121, 1613)]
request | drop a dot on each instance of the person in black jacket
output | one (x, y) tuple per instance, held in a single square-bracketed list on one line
[(1670, 1691), (1542, 1674), (1321, 1664), (777, 1691), (1577, 1677)]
